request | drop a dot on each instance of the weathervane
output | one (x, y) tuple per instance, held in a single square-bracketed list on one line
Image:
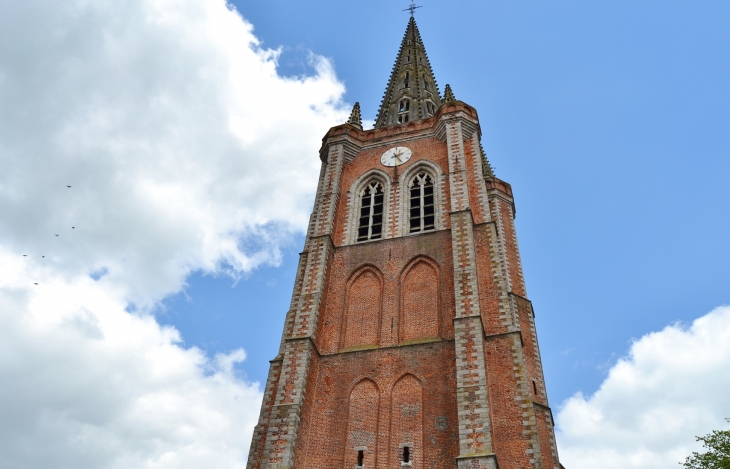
[(412, 8)]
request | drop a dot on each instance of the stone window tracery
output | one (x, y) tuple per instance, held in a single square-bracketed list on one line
[(370, 223), (422, 215)]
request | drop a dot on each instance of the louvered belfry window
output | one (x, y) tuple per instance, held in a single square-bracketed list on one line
[(370, 224), (422, 208)]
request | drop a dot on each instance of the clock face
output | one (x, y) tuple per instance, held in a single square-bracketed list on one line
[(396, 156)]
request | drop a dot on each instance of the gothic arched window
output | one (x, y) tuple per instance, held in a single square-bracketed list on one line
[(404, 107), (422, 208), (370, 224), (430, 108)]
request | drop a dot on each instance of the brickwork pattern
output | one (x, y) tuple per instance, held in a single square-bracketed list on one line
[(501, 264), (471, 389), (420, 340), (362, 424), (324, 443), (457, 167), (407, 421), (393, 258), (364, 302), (420, 301), (259, 434), (484, 462), (428, 152), (478, 196)]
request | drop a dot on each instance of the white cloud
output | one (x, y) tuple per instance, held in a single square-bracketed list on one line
[(172, 126), (672, 386), (88, 385), (185, 151)]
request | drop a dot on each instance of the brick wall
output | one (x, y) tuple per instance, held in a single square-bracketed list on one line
[(422, 341)]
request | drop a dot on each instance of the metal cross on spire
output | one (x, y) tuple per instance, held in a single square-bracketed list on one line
[(412, 8)]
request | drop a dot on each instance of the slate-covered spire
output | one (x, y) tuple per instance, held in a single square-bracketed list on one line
[(355, 118), (412, 93)]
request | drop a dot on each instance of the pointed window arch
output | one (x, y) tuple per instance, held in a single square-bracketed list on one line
[(370, 224), (362, 425), (406, 434), (430, 108), (422, 216), (406, 80)]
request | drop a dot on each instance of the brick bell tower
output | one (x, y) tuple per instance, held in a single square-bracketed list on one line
[(409, 342)]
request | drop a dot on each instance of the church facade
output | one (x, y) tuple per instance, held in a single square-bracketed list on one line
[(409, 342)]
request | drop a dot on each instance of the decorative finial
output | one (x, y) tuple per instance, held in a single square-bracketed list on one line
[(487, 168), (449, 95), (412, 8), (355, 118)]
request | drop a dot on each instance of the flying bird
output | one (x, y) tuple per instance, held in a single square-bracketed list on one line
[(73, 227), (69, 187), (25, 255), (35, 284), (56, 235)]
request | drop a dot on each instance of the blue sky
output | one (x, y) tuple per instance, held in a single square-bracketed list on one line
[(609, 119), (139, 307)]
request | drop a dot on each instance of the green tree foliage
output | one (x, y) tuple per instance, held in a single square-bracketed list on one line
[(717, 455)]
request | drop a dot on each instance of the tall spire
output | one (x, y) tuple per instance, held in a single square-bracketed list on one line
[(412, 93)]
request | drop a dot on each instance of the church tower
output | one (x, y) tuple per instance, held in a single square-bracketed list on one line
[(409, 342)]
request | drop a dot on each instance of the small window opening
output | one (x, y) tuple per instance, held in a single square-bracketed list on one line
[(407, 78), (423, 210), (534, 386), (425, 83), (370, 225), (360, 458), (406, 454)]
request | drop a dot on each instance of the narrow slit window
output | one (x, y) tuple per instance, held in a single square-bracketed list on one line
[(534, 386), (370, 223), (360, 458), (406, 454), (422, 215), (406, 79)]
